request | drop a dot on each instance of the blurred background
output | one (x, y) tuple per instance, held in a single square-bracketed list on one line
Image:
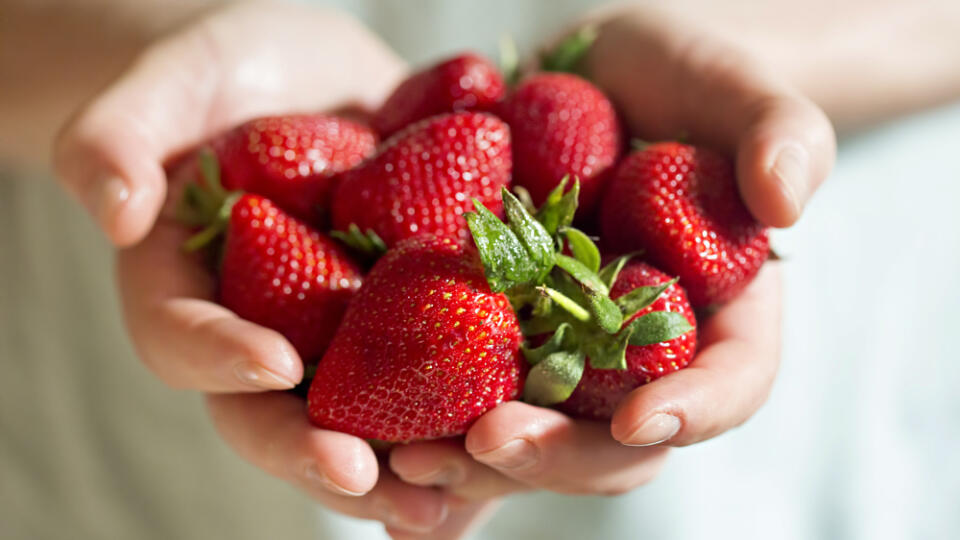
[(860, 438)]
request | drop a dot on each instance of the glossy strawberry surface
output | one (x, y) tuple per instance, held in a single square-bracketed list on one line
[(680, 205), (467, 82), (562, 125), (424, 349), (423, 178), (278, 272), (292, 159)]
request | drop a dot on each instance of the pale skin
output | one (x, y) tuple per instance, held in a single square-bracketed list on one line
[(666, 74)]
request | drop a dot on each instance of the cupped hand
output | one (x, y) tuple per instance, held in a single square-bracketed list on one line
[(669, 77), (234, 65)]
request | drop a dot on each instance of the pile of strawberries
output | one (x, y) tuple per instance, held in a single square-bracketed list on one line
[(392, 254)]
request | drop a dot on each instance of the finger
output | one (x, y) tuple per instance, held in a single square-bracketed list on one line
[(186, 339), (446, 464), (547, 449), (271, 431), (240, 63), (461, 521), (726, 383), (671, 76)]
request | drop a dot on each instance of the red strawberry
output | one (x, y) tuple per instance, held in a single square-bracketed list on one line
[(279, 273), (291, 159), (680, 204), (423, 178), (601, 390), (467, 82), (424, 348), (561, 125)]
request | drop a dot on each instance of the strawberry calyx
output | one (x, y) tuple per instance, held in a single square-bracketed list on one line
[(563, 302), (567, 55), (206, 203), (367, 244)]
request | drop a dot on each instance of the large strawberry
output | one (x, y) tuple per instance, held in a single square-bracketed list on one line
[(601, 390), (292, 159), (424, 348), (467, 82), (561, 125), (680, 205), (274, 269), (422, 179)]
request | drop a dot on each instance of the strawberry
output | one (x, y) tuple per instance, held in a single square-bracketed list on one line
[(292, 159), (422, 178), (467, 82), (592, 334), (680, 205), (561, 125), (275, 270), (423, 350), (601, 390)]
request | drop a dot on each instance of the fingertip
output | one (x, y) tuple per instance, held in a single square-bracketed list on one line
[(342, 463), (785, 154), (127, 214)]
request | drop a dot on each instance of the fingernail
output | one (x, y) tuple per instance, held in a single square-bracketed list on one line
[(260, 377), (659, 428), (315, 475), (443, 476), (516, 454), (107, 198), (790, 169)]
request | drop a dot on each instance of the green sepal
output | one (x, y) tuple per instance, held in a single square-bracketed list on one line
[(583, 248), (641, 297), (554, 378), (568, 54), (523, 195), (509, 60), (366, 243), (210, 172), (657, 327), (609, 273), (552, 345), (559, 208), (579, 286), (582, 273), (218, 226), (605, 312), (506, 262), (609, 352), (538, 243)]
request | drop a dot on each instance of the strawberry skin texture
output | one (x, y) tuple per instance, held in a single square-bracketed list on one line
[(279, 273), (601, 390), (424, 348), (467, 82), (562, 124), (292, 159), (680, 205), (423, 178)]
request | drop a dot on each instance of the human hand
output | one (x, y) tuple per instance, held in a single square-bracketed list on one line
[(242, 62), (667, 76)]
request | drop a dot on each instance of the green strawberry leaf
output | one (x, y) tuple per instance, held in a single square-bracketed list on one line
[(583, 248), (505, 259), (367, 243), (657, 327), (532, 235), (523, 195), (552, 345), (509, 60), (641, 297), (608, 274), (210, 173), (566, 56), (582, 274), (554, 378), (609, 352), (605, 312), (559, 208)]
